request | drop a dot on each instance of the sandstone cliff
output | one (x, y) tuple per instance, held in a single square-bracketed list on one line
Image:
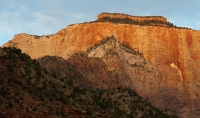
[(173, 53)]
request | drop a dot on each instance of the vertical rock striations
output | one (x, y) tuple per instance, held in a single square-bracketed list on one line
[(169, 75)]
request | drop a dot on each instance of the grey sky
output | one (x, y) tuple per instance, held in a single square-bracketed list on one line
[(49, 16)]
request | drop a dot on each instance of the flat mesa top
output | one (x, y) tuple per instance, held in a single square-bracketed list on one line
[(138, 18)]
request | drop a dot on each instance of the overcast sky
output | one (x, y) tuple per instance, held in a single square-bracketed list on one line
[(40, 17)]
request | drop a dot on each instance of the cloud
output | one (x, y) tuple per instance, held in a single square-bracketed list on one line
[(37, 23), (44, 19), (41, 23), (22, 7), (9, 20), (198, 25), (182, 21)]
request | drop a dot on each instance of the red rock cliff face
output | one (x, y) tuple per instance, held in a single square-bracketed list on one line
[(173, 51), (160, 45)]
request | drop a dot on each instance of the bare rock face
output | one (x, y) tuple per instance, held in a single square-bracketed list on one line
[(167, 74), (131, 69)]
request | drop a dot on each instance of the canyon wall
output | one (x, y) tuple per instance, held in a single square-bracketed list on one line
[(160, 45), (174, 52)]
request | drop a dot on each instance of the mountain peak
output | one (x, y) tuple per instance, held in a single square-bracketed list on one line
[(166, 72), (134, 18)]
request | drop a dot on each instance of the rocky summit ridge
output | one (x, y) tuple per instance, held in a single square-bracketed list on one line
[(165, 69), (124, 16)]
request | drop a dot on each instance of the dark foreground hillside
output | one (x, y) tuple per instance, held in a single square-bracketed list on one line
[(27, 90)]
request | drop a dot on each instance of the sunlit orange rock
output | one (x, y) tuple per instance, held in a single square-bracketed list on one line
[(174, 51)]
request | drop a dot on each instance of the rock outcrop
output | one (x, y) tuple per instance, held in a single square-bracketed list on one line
[(172, 53), (134, 18), (131, 69)]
